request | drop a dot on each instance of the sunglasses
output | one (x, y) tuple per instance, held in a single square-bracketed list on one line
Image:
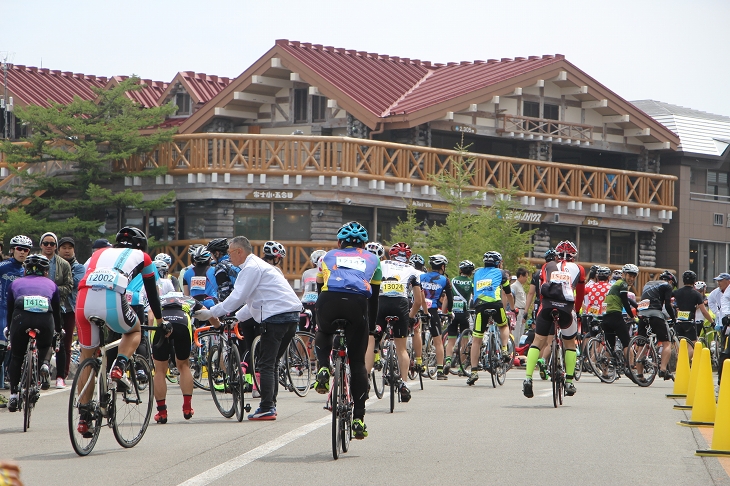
[(49, 243), (20, 248)]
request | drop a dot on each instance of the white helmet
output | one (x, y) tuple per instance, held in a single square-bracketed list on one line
[(162, 267), (630, 268), (375, 248), (316, 255), (21, 240), (164, 257)]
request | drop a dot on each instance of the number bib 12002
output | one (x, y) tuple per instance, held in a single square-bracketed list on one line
[(35, 303), (107, 279)]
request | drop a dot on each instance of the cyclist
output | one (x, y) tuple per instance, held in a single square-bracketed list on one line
[(435, 284), (595, 293), (463, 286), (164, 285), (723, 316), (274, 253), (309, 292), (225, 272), (617, 303), (616, 276), (701, 287), (491, 291), (562, 290), (533, 295), (688, 302), (191, 250), (101, 295), (10, 269), (376, 249), (199, 280), (399, 278), (167, 259), (655, 295), (349, 283), (418, 262), (34, 302)]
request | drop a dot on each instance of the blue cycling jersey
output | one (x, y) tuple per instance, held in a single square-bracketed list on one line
[(201, 284), (10, 269), (433, 285)]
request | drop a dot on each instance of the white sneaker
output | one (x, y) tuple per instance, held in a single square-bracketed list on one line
[(60, 383)]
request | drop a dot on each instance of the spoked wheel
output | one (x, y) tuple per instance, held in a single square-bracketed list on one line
[(297, 366), (199, 364), (84, 385), (235, 379), (578, 361), (489, 359), (133, 407), (335, 403), (219, 383), (412, 359), (512, 353), (601, 361), (390, 374), (644, 361), (464, 344), (29, 391), (376, 375), (255, 357), (555, 375), (429, 356)]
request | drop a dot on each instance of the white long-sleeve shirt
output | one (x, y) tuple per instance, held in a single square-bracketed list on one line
[(263, 289), (725, 302), (714, 302)]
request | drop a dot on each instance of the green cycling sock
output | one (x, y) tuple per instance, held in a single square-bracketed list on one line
[(570, 357), (533, 354)]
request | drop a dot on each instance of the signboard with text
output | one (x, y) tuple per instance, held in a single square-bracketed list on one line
[(269, 195)]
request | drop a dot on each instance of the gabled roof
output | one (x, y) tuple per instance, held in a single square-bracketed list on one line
[(200, 86), (149, 96), (699, 132), (36, 86)]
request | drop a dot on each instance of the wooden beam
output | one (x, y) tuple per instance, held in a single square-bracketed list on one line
[(616, 119), (276, 63), (253, 97), (637, 132), (592, 105), (235, 113), (575, 90), (658, 146), (267, 81)]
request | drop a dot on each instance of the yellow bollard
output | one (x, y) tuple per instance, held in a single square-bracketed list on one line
[(692, 378), (681, 376), (703, 408), (721, 435)]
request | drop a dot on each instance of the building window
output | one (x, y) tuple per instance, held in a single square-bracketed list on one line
[(532, 109), (593, 245), (387, 219), (623, 247), (184, 105), (717, 183), (707, 259), (319, 104), (292, 222), (162, 227), (560, 233), (718, 219), (252, 220), (551, 112), (300, 106)]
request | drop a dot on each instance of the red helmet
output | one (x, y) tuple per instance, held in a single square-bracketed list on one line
[(400, 250), (566, 250)]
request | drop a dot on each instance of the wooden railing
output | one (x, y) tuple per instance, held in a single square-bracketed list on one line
[(393, 163), (547, 129)]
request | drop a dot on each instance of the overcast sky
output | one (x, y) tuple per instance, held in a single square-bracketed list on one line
[(677, 51)]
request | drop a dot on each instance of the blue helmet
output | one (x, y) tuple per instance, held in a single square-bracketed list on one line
[(550, 255), (353, 232)]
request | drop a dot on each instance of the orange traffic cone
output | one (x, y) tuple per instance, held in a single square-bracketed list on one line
[(704, 407), (721, 435), (681, 377), (696, 358)]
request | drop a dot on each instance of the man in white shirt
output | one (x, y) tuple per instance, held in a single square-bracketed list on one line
[(270, 301), (518, 290), (722, 318)]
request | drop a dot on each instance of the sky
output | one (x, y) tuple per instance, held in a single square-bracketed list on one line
[(676, 51)]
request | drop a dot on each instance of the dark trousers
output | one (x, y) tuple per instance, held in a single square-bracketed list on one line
[(249, 329), (275, 339), (63, 356), (22, 321)]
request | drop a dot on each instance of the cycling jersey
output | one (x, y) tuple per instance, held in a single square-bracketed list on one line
[(655, 295), (434, 285), (398, 279), (595, 295), (135, 290), (563, 281), (201, 281), (309, 286), (687, 299), (463, 290), (617, 298), (489, 283), (35, 294), (10, 269), (350, 270), (225, 277)]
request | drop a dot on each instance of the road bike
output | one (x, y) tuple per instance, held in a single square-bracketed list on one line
[(376, 374), (391, 372), (126, 404), (712, 340), (30, 381), (341, 401), (490, 356), (557, 362), (294, 370), (606, 362), (643, 356)]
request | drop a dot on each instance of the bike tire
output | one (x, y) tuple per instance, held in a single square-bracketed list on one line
[(376, 376), (500, 366), (26, 382), (235, 376), (345, 408), (411, 359), (218, 380), (642, 351), (133, 408), (84, 445), (512, 353), (601, 361), (578, 360), (429, 356), (335, 404), (489, 358), (464, 343), (554, 376), (298, 368), (255, 357), (392, 372), (199, 364)]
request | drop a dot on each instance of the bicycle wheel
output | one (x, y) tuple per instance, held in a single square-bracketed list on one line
[(500, 366), (392, 374), (578, 360), (464, 343), (554, 374), (298, 368), (345, 406), (235, 380), (429, 356), (335, 398), (376, 375), (601, 361), (218, 380), (489, 358), (133, 407), (642, 357), (26, 388), (84, 384), (512, 353), (199, 364), (255, 357), (411, 359)]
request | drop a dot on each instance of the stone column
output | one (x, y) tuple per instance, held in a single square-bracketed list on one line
[(647, 249), (541, 240)]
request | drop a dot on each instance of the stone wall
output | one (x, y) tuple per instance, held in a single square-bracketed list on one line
[(541, 151), (356, 128), (219, 125), (647, 250), (541, 239), (326, 220)]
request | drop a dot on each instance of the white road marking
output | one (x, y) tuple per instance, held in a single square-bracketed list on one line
[(222, 470)]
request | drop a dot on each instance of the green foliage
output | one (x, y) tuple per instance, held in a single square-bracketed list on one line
[(69, 155), (410, 231), (21, 223)]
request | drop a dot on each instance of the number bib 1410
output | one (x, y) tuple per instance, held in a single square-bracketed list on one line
[(35, 303), (107, 279)]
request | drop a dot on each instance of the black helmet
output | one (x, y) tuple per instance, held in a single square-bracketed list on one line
[(689, 277), (603, 273), (218, 244), (36, 265), (669, 277), (131, 237), (550, 255)]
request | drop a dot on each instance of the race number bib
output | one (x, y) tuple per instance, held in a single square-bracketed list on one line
[(198, 283), (309, 297), (594, 310), (483, 284), (35, 303), (429, 303), (459, 306), (683, 315), (563, 279), (107, 279), (354, 263), (643, 305), (604, 306), (393, 288)]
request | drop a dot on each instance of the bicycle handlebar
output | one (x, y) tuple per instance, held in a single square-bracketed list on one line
[(221, 329)]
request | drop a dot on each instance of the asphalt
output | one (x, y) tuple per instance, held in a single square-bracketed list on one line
[(449, 432)]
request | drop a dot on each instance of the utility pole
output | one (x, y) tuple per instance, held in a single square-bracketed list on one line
[(5, 101)]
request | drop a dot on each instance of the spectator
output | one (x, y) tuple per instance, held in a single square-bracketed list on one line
[(518, 290), (67, 251)]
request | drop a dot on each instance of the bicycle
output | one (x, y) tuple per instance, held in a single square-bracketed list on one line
[(294, 370), (606, 362), (643, 356), (30, 382), (462, 348), (490, 355), (225, 376), (557, 362), (712, 340), (127, 410), (376, 374), (340, 397), (391, 372)]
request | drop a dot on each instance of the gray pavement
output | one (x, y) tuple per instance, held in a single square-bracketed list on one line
[(605, 434)]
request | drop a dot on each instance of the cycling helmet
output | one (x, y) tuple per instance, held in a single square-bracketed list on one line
[(466, 266), (201, 255), (36, 265), (316, 255), (550, 255), (353, 232), (630, 268), (375, 248), (21, 240), (400, 252), (437, 260), (492, 259), (566, 250), (131, 237), (689, 277), (699, 285), (602, 273), (669, 277), (617, 274), (164, 257), (192, 248), (417, 259), (274, 249), (218, 244), (162, 267)]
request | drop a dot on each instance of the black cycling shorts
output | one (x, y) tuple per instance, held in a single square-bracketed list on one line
[(544, 320), (686, 329), (434, 323), (393, 306), (458, 324), (658, 327), (616, 327), (181, 338)]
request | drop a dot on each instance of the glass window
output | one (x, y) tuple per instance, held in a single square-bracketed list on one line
[(531, 108), (292, 221), (560, 233), (182, 100), (162, 228), (387, 219), (593, 245), (319, 103), (551, 112), (717, 183), (300, 106), (707, 259), (623, 247), (252, 220)]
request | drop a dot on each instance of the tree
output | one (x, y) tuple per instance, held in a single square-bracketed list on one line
[(410, 231), (67, 158)]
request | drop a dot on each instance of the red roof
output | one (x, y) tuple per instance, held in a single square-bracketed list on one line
[(149, 96), (35, 86), (202, 87)]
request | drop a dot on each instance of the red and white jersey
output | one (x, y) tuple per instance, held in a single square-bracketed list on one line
[(595, 295), (114, 268)]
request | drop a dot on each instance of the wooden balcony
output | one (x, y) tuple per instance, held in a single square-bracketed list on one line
[(394, 163), (543, 129)]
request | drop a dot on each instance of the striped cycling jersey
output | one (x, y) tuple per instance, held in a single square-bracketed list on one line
[(127, 262)]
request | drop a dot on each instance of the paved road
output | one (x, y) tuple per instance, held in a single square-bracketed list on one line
[(448, 432)]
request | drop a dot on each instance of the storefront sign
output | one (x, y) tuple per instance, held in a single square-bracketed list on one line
[(429, 205), (592, 221), (273, 195), (464, 129), (525, 217)]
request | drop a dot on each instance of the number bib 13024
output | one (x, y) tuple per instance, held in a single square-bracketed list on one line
[(35, 303), (107, 279), (393, 289)]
